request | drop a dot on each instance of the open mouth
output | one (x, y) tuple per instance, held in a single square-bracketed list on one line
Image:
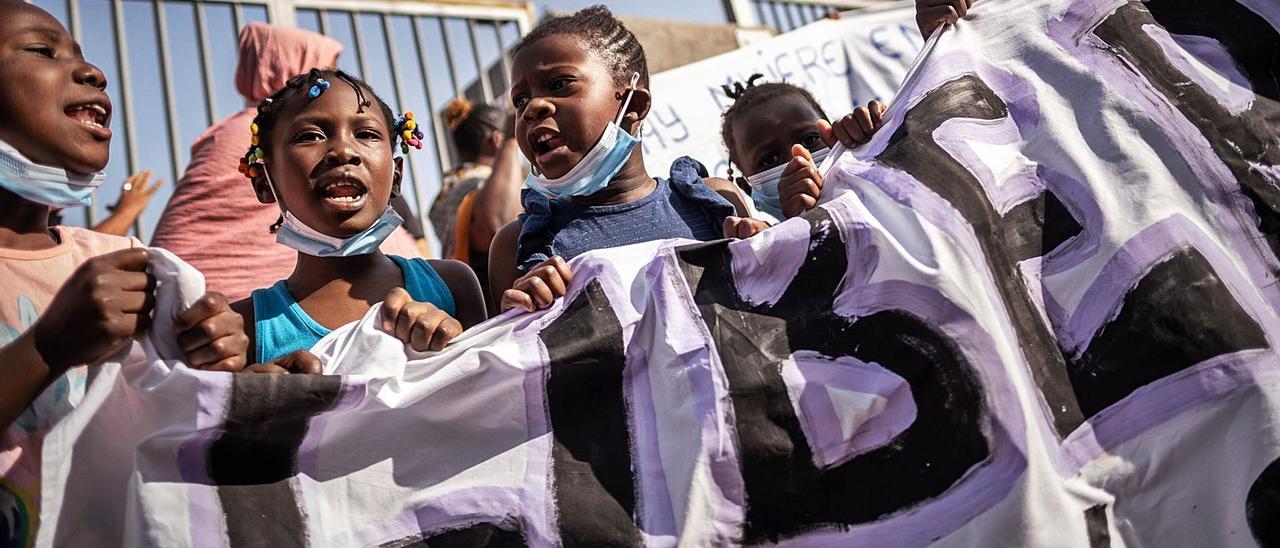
[(93, 115), (546, 142), (344, 194)]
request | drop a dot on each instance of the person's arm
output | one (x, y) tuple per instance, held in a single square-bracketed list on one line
[(465, 287), (502, 260), (727, 190), (101, 306), (497, 202), (134, 196)]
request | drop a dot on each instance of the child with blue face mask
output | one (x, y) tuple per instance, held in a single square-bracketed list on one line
[(579, 90), (777, 135), (323, 151), (69, 297)]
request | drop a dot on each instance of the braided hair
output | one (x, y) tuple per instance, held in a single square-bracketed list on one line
[(749, 94), (604, 35), (470, 124), (270, 107)]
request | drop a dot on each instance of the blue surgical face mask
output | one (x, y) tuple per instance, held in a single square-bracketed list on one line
[(595, 169), (764, 185), (297, 235), (51, 186)]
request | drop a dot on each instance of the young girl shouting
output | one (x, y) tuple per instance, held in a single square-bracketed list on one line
[(579, 88), (323, 151), (69, 296)]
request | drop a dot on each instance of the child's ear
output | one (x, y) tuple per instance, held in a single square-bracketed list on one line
[(396, 175), (641, 102), (263, 189)]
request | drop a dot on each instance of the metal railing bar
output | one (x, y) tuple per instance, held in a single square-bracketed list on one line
[(166, 80), (402, 102), (73, 19), (449, 58), (358, 37), (206, 66), (486, 89), (126, 98), (443, 154), (437, 9), (777, 19), (504, 57), (238, 12), (323, 17)]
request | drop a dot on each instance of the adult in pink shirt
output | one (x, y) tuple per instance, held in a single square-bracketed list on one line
[(213, 220)]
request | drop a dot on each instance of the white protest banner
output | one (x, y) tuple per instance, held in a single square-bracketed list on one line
[(844, 63), (1039, 308)]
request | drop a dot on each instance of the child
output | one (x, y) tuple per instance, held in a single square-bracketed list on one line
[(579, 90), (323, 152), (777, 134), (774, 123), (69, 296)]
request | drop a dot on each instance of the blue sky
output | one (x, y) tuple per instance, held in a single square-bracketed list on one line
[(151, 123)]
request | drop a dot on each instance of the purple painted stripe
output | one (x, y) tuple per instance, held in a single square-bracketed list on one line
[(1214, 379), (809, 374), (1134, 259), (204, 510)]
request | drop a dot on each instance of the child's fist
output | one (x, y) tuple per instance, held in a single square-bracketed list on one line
[(931, 14), (104, 303), (540, 287), (742, 227), (299, 361), (211, 335), (855, 128), (800, 184), (420, 325)]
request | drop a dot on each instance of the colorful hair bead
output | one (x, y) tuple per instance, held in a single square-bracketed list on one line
[(319, 87)]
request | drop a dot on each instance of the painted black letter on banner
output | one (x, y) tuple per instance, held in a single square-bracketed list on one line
[(787, 494), (1253, 137), (594, 482), (913, 150), (254, 458)]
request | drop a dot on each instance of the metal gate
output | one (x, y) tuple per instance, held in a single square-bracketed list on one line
[(170, 66)]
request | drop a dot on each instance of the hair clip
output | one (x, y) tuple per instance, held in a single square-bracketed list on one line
[(409, 132), (317, 88)]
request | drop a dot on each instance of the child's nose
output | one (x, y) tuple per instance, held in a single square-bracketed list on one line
[(343, 154), (90, 75), (538, 108)]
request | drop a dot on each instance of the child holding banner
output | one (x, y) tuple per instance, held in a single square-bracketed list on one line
[(70, 296), (330, 143), (773, 123), (579, 87)]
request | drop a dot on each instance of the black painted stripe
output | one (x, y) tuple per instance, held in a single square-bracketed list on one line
[(595, 493), (255, 458)]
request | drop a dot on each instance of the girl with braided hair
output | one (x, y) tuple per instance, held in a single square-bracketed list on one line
[(580, 91), (323, 152)]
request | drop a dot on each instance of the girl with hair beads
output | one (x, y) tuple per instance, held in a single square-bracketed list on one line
[(70, 296), (777, 134), (579, 87), (323, 152)]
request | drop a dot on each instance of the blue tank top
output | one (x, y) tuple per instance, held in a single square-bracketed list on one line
[(680, 207), (281, 326)]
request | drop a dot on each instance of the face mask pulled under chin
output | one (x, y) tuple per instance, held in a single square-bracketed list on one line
[(47, 185), (598, 167), (295, 234), (764, 185)]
